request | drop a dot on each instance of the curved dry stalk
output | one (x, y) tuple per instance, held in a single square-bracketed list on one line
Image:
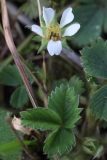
[(13, 50)]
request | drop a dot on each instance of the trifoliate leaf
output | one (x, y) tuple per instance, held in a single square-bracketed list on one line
[(77, 84), (43, 45), (90, 17), (41, 118), (61, 115), (59, 141), (19, 97), (98, 103), (10, 76), (64, 102), (95, 59)]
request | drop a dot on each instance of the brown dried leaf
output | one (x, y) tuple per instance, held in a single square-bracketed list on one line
[(16, 123)]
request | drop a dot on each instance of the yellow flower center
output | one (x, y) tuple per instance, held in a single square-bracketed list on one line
[(53, 32)]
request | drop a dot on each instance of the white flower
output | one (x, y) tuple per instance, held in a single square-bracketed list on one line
[(53, 30)]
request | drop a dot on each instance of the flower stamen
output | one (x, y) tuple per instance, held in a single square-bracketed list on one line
[(53, 32)]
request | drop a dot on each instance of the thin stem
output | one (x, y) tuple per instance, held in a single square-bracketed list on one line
[(44, 63), (44, 68)]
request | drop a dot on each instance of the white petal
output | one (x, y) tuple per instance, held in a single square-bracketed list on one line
[(54, 47), (37, 30), (71, 30), (67, 17), (48, 14)]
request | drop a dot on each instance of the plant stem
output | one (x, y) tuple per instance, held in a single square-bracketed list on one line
[(44, 63)]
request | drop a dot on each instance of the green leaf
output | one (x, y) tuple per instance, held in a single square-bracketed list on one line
[(74, 82), (6, 136), (29, 9), (37, 38), (43, 45), (19, 97), (4, 129), (57, 83), (11, 148), (77, 84), (41, 118), (59, 141), (98, 103), (65, 45), (10, 76), (90, 18), (64, 102), (95, 59)]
